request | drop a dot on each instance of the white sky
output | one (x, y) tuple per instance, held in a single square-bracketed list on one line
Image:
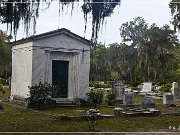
[(153, 11)]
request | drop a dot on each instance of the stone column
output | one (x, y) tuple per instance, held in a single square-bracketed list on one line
[(46, 71)]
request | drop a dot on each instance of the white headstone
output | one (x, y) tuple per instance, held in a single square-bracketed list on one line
[(174, 85), (175, 90), (128, 99), (168, 99), (147, 87), (119, 89)]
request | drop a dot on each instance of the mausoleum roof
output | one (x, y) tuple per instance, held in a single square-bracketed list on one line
[(52, 33)]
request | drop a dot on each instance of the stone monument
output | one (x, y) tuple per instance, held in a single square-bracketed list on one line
[(118, 89), (148, 102), (175, 91), (168, 99), (128, 99)]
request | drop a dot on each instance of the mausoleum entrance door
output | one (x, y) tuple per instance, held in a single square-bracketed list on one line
[(60, 78)]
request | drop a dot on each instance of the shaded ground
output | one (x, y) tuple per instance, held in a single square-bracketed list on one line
[(20, 120), (15, 119)]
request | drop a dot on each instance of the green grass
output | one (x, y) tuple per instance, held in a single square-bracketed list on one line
[(20, 120), (6, 95), (15, 119), (75, 111)]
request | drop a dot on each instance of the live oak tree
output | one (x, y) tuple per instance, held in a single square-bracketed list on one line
[(12, 12), (154, 47), (148, 53), (5, 56)]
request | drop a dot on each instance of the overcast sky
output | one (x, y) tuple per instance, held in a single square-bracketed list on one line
[(153, 11)]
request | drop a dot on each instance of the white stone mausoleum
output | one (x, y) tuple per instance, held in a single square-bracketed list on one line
[(58, 57)]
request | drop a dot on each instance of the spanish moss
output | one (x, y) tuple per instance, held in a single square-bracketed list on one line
[(175, 12), (99, 9), (12, 12)]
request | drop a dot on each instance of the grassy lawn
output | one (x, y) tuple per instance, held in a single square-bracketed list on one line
[(6, 94), (15, 119), (75, 111), (20, 120)]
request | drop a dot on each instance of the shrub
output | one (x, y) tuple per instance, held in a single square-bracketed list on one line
[(135, 84), (111, 99), (91, 84), (165, 88), (41, 96), (99, 85), (134, 88), (4, 81), (95, 98), (162, 83), (106, 85)]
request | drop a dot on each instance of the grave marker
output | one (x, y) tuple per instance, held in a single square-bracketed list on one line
[(168, 99), (175, 90), (128, 99), (118, 89), (148, 102)]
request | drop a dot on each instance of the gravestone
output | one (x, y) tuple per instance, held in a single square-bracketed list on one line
[(118, 111), (168, 99), (118, 89), (128, 99), (175, 90), (147, 87), (148, 102)]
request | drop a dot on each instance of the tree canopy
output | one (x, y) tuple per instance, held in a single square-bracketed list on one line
[(148, 53), (5, 56), (12, 12)]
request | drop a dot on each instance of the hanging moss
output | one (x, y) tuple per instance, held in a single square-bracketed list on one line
[(175, 12), (27, 11), (99, 9)]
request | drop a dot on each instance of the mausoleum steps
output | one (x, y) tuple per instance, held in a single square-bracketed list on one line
[(65, 102)]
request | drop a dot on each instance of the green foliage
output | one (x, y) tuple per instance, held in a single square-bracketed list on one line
[(151, 56), (5, 56), (95, 97), (99, 85), (41, 96), (135, 84), (15, 12), (111, 99), (4, 81), (162, 83), (165, 88), (114, 75)]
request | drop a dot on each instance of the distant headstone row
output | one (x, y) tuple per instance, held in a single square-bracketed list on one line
[(128, 98), (168, 98)]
